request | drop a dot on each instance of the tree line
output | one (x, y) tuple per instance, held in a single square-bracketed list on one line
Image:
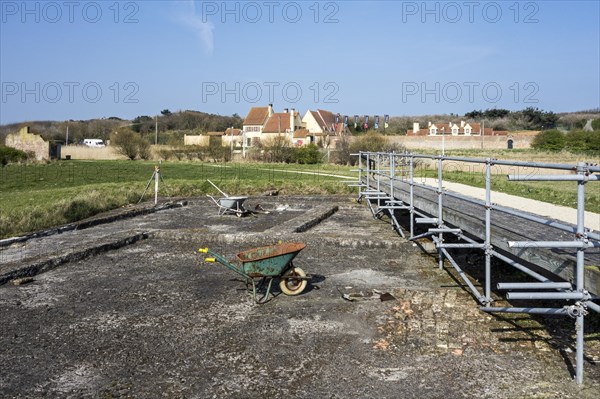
[(529, 118), (171, 126)]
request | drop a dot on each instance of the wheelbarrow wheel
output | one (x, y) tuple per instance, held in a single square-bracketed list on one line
[(290, 284)]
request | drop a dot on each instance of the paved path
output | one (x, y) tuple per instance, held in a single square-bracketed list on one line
[(562, 213)]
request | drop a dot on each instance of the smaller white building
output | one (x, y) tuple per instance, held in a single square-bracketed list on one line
[(94, 143)]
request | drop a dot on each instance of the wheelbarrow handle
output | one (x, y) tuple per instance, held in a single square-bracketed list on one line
[(221, 259), (205, 251), (215, 186)]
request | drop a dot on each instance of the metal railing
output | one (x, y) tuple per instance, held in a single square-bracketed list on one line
[(382, 176)]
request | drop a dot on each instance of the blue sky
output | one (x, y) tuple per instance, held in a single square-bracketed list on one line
[(86, 59)]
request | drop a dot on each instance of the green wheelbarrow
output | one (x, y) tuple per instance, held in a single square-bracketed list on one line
[(267, 263)]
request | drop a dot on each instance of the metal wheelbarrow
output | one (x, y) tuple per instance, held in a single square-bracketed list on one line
[(267, 263), (233, 205), (228, 204)]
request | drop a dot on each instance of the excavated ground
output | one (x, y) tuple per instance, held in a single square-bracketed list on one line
[(149, 318)]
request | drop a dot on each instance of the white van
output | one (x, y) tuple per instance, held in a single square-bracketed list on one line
[(93, 143)]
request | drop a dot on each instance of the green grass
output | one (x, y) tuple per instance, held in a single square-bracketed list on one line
[(554, 192), (38, 196)]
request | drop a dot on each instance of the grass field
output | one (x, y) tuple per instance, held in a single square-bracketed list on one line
[(37, 196)]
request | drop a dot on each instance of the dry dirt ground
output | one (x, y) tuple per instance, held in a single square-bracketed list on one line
[(151, 319)]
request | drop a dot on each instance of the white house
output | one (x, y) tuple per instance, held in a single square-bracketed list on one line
[(320, 122), (254, 122), (450, 128)]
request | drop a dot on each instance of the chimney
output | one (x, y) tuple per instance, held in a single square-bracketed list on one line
[(285, 110), (270, 110), (428, 124), (462, 123), (415, 127), (292, 120), (450, 124)]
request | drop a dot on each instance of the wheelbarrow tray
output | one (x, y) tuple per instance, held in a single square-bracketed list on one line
[(273, 260), (233, 203)]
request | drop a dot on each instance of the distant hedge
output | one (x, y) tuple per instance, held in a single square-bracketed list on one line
[(549, 140), (576, 141), (11, 155)]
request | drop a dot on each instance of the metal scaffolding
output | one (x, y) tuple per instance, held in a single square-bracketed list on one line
[(381, 175)]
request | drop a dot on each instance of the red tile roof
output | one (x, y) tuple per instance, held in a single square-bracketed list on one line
[(279, 122), (257, 116), (318, 118), (328, 118), (301, 133), (475, 127), (326, 121), (325, 133), (236, 132)]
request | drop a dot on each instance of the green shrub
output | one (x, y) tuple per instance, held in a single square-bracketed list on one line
[(576, 141), (278, 149), (372, 141), (593, 144), (549, 140), (596, 125), (218, 153), (11, 155), (309, 154), (579, 141)]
